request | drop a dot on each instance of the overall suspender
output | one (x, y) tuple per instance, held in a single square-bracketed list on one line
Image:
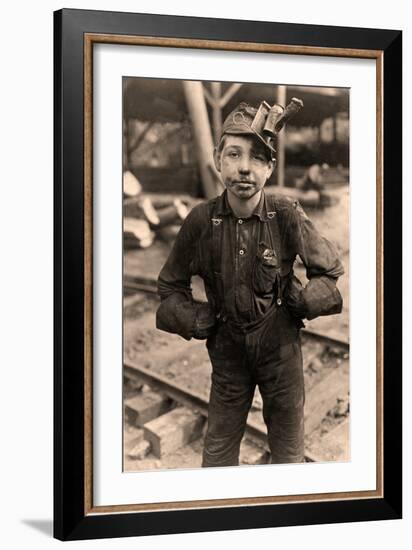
[(217, 237), (275, 243)]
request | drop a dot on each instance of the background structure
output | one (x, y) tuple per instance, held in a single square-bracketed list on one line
[(26, 209)]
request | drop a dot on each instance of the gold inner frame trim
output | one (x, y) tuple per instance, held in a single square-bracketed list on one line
[(89, 40)]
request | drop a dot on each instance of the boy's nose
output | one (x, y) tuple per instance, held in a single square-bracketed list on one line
[(244, 166)]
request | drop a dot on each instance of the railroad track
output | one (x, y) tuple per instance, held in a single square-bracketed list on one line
[(165, 415)]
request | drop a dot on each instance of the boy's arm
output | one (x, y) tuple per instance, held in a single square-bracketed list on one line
[(323, 267), (178, 312)]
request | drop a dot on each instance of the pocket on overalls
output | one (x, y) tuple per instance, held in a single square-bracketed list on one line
[(266, 271), (219, 343), (279, 335)]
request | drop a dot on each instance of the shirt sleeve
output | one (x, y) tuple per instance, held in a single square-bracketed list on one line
[(318, 255), (178, 313), (322, 263), (175, 276)]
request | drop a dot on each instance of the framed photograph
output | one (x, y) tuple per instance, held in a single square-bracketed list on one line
[(227, 274)]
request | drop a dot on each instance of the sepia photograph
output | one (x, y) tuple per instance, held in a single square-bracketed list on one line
[(236, 200), (227, 321)]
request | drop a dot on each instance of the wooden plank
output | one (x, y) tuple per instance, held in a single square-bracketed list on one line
[(323, 396), (146, 406), (140, 450), (173, 430)]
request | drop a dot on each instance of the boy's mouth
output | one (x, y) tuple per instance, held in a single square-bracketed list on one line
[(244, 183)]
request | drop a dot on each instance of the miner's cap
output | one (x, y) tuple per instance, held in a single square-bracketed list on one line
[(239, 122), (265, 122)]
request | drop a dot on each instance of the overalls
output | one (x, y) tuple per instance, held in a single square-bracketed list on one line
[(265, 352)]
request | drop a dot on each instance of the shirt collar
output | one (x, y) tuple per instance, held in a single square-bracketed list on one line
[(261, 211)]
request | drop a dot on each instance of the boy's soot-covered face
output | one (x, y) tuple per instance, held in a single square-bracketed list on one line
[(245, 165)]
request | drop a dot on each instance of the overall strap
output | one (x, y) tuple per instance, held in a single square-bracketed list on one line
[(274, 225), (217, 237), (275, 240), (217, 233)]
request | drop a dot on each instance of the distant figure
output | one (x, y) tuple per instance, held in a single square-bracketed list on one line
[(313, 178)]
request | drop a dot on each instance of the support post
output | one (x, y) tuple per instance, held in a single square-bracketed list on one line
[(196, 104), (216, 88), (280, 149)]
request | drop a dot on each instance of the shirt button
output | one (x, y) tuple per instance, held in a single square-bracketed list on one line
[(240, 221), (241, 252)]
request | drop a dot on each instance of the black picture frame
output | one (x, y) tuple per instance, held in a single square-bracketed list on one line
[(73, 518)]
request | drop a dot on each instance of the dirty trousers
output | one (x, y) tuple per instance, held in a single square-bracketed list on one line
[(269, 356)]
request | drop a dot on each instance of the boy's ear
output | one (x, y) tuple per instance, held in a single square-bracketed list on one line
[(217, 159), (271, 166)]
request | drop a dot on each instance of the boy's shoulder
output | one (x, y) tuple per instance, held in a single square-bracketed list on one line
[(199, 217), (282, 202), (287, 207), (202, 211)]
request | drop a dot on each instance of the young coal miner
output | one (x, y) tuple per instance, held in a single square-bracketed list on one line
[(243, 244)]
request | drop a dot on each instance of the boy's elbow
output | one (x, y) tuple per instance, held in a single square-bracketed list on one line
[(176, 314), (322, 297)]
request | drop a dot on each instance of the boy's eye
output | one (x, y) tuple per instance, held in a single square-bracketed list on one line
[(259, 157), (233, 154)]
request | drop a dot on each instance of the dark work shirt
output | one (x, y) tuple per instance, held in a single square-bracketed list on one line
[(243, 297), (241, 238)]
